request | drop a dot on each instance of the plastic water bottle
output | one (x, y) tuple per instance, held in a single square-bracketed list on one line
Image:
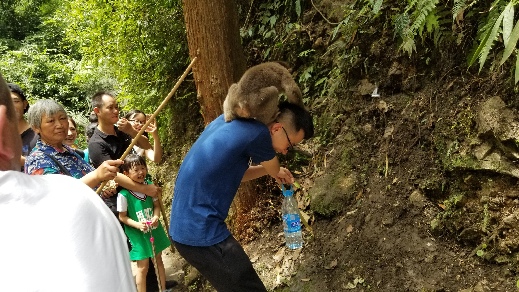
[(291, 220)]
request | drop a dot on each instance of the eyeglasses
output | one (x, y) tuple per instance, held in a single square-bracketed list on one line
[(289, 142)]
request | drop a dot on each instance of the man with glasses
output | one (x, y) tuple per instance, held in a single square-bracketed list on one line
[(207, 182)]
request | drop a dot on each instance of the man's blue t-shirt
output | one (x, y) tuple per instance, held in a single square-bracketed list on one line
[(210, 176)]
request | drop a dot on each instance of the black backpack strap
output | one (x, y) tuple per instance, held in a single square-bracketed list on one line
[(61, 167)]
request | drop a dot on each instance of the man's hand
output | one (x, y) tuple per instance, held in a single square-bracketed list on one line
[(284, 176)]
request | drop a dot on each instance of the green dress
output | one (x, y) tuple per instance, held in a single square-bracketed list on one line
[(140, 208)]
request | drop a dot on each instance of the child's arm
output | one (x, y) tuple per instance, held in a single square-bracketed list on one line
[(156, 213), (154, 154), (123, 217), (127, 183)]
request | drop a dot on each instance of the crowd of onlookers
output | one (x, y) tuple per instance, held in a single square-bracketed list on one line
[(49, 146)]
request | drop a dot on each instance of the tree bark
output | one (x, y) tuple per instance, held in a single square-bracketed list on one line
[(213, 36)]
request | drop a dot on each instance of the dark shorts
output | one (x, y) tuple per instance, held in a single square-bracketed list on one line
[(225, 265)]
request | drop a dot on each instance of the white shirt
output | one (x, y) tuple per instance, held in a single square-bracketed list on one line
[(58, 235)]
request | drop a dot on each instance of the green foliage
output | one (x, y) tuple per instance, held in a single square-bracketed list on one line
[(419, 16), (273, 25), (44, 74), (140, 43), (499, 22), (19, 19)]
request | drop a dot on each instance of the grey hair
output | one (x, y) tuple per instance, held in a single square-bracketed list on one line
[(47, 107)]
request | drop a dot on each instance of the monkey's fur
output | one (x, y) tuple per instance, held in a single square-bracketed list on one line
[(256, 95)]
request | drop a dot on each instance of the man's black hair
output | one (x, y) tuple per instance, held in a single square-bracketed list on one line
[(302, 118), (97, 98)]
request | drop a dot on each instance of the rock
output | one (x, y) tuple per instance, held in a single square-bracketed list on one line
[(510, 220), (497, 121), (483, 150), (417, 198), (332, 192), (365, 87)]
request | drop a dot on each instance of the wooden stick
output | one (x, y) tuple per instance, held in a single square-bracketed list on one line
[(153, 260), (165, 221), (161, 106)]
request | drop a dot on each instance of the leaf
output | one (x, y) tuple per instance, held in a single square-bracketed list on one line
[(516, 69), (377, 4), (336, 30), (489, 41), (298, 8), (272, 20), (508, 22), (510, 45)]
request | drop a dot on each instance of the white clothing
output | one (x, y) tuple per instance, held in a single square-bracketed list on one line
[(139, 151), (58, 235), (122, 202)]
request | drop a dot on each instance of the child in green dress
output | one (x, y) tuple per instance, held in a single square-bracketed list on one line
[(140, 216)]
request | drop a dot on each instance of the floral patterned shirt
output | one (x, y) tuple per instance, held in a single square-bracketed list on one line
[(39, 162)]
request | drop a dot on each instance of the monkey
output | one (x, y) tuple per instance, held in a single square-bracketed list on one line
[(256, 95)]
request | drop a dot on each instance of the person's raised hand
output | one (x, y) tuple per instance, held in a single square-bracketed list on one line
[(152, 127), (125, 126)]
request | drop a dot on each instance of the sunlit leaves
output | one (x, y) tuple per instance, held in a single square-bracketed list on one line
[(500, 21), (141, 43)]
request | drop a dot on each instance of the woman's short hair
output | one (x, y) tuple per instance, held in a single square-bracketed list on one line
[(47, 107)]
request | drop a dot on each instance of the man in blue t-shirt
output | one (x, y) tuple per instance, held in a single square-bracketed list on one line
[(226, 154)]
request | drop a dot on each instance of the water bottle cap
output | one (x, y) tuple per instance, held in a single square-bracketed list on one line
[(287, 192)]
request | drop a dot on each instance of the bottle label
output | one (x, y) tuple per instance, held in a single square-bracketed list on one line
[(292, 222)]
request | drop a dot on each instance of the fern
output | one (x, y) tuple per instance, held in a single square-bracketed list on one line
[(458, 7), (508, 22), (421, 10), (516, 69), (510, 45), (498, 16)]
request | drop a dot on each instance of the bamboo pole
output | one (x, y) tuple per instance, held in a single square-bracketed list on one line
[(163, 212), (161, 106)]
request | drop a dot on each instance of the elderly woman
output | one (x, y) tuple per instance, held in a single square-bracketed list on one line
[(50, 155), (49, 119)]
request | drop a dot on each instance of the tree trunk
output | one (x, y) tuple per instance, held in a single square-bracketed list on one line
[(213, 36)]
